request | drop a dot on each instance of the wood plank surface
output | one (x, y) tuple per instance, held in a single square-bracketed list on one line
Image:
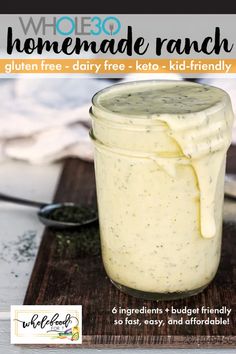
[(67, 273)]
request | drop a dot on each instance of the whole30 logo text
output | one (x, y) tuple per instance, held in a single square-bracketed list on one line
[(71, 25)]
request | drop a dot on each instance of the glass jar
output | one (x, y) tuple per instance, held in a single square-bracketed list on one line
[(160, 149)]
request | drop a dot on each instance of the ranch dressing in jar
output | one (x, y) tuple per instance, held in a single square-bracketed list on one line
[(160, 149)]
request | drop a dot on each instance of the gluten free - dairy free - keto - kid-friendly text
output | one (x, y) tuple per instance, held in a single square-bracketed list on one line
[(160, 150)]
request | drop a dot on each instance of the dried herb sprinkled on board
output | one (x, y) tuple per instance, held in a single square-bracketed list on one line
[(84, 242)]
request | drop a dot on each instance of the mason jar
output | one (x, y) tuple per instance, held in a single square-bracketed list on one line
[(160, 151)]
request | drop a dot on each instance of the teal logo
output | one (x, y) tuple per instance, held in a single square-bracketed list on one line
[(110, 25)]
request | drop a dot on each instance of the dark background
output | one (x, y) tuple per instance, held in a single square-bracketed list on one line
[(118, 6)]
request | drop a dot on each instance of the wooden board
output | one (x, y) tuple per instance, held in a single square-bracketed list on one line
[(63, 274)]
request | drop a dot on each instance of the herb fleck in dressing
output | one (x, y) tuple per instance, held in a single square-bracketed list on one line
[(160, 162)]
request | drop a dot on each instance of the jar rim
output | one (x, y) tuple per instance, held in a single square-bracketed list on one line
[(102, 112)]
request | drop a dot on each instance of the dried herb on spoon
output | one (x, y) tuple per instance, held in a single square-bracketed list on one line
[(72, 214)]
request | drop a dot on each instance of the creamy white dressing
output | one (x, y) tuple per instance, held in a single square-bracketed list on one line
[(160, 150), (200, 119)]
